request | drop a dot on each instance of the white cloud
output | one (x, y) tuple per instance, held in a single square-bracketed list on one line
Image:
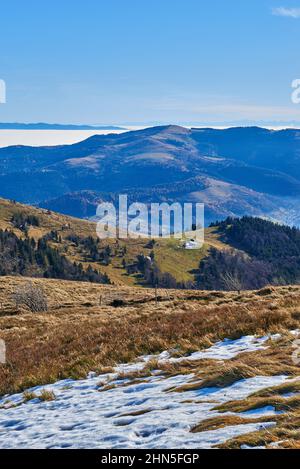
[(287, 12)]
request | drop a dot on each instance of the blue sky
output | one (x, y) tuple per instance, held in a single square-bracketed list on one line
[(145, 62)]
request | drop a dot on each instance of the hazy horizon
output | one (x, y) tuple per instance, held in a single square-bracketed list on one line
[(37, 138)]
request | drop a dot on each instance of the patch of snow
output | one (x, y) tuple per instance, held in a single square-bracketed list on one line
[(277, 444), (83, 417), (131, 415), (287, 395), (252, 447), (227, 349), (223, 350), (260, 412), (141, 362)]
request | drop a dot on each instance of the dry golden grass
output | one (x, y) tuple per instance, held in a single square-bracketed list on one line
[(275, 360), (224, 421), (48, 221), (285, 434), (279, 403), (286, 388), (78, 334), (29, 396), (284, 398), (82, 331), (136, 413), (47, 395)]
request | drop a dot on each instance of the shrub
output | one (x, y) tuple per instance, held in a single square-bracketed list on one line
[(117, 303), (29, 396), (47, 395), (32, 296)]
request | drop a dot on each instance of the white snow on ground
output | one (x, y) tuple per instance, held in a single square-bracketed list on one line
[(230, 348), (252, 447), (224, 350), (83, 417), (267, 410)]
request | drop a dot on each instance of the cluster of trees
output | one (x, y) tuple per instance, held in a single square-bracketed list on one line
[(92, 249), (53, 236), (232, 270), (270, 255), (22, 221), (37, 259), (261, 238)]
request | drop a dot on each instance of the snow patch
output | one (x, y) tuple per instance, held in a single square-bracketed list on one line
[(138, 415)]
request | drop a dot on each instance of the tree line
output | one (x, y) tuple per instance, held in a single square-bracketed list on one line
[(263, 253), (31, 258)]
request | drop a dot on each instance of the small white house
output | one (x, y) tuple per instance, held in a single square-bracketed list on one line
[(192, 244)]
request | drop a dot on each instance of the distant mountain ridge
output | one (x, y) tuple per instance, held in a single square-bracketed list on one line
[(45, 126), (234, 171)]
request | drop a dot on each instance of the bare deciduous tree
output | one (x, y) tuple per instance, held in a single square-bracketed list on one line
[(232, 282), (32, 296)]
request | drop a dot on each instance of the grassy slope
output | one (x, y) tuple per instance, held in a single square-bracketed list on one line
[(82, 331), (172, 258)]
